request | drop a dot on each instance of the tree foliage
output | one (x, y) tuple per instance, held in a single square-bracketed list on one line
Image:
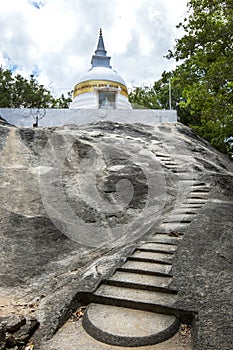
[(143, 97), (202, 83), (157, 96), (206, 71), (18, 92)]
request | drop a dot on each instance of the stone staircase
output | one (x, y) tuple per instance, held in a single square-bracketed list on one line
[(136, 306), (185, 211), (192, 194), (136, 289)]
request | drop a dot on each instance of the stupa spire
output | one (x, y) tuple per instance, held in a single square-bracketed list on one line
[(100, 47), (100, 58)]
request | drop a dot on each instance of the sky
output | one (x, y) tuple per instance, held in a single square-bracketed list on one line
[(55, 39)]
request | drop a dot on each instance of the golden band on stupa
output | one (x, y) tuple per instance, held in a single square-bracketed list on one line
[(90, 86)]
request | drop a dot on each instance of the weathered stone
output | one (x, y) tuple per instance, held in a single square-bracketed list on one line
[(136, 278), (11, 341), (151, 256), (126, 327), (3, 121), (12, 323), (3, 136), (147, 267), (135, 295), (2, 344), (158, 247), (26, 331), (2, 337), (38, 257)]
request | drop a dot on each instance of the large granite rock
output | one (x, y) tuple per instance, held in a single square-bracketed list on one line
[(76, 200)]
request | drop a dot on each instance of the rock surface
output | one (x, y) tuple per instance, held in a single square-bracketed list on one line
[(15, 331), (76, 201)]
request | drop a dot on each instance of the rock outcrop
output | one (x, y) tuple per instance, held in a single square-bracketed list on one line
[(79, 202)]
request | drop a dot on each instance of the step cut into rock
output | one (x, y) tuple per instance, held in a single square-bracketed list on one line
[(127, 327)]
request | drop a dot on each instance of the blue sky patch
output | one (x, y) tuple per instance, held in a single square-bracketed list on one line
[(10, 65), (36, 4), (36, 72)]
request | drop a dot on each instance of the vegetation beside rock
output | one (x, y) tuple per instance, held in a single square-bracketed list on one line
[(202, 84)]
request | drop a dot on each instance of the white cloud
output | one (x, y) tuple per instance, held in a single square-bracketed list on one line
[(56, 38)]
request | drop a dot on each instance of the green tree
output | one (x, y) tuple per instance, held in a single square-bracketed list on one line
[(205, 75), (143, 97), (157, 96), (63, 102), (6, 82), (18, 92)]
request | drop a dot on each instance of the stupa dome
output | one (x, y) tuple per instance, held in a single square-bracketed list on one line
[(101, 86), (102, 73)]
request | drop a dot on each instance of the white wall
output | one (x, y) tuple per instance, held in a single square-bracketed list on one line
[(58, 117)]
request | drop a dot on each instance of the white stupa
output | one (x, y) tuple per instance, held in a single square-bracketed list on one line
[(100, 87)]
